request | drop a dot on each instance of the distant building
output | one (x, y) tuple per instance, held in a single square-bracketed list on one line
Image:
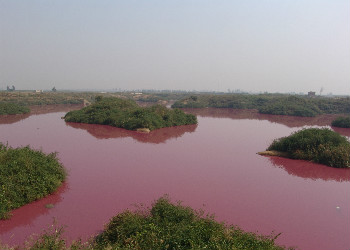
[(311, 94), (38, 91)]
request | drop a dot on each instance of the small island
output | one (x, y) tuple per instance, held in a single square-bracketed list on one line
[(124, 113), (341, 122), (164, 225), (320, 145), (12, 109), (26, 175)]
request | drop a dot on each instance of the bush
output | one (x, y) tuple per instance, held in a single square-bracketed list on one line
[(341, 122), (292, 105), (127, 114), (319, 145), (173, 226), (163, 226), (26, 175), (12, 109)]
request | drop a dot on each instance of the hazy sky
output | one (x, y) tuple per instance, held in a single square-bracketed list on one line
[(252, 45)]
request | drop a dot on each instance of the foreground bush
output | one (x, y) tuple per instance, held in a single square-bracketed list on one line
[(319, 145), (127, 114), (164, 226), (341, 122), (26, 175), (12, 109), (172, 226)]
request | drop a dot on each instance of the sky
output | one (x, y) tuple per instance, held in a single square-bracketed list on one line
[(212, 45)]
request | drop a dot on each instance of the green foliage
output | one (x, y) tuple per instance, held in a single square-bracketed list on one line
[(173, 226), (127, 114), (163, 226), (291, 105), (26, 175), (332, 105), (341, 122), (12, 109), (275, 104), (319, 145), (50, 239), (31, 98)]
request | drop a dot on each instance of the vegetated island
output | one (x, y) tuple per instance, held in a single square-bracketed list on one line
[(26, 175), (341, 122), (163, 226), (275, 104), (322, 146), (123, 113), (12, 109)]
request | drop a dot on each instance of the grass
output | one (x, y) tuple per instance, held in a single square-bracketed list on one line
[(12, 109), (26, 175), (318, 145), (127, 114), (163, 226)]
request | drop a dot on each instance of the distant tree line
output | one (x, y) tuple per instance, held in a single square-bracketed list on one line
[(276, 104)]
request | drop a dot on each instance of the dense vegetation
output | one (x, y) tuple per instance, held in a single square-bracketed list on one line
[(12, 109), (164, 226), (341, 122), (290, 105), (26, 175), (32, 98), (127, 114), (319, 145), (47, 98), (276, 104)]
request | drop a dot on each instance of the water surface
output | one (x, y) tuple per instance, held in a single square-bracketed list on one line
[(212, 165)]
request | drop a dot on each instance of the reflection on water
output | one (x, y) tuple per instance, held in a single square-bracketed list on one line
[(155, 136), (24, 216), (290, 121), (309, 170), (342, 131), (9, 119)]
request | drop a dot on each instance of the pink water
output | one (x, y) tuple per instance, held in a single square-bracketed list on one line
[(212, 165)]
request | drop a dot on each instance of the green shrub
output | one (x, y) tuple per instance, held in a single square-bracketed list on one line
[(319, 145), (163, 226), (173, 226), (292, 105), (26, 175), (127, 114), (12, 109), (341, 122)]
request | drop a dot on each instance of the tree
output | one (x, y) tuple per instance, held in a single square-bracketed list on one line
[(11, 89), (54, 89)]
